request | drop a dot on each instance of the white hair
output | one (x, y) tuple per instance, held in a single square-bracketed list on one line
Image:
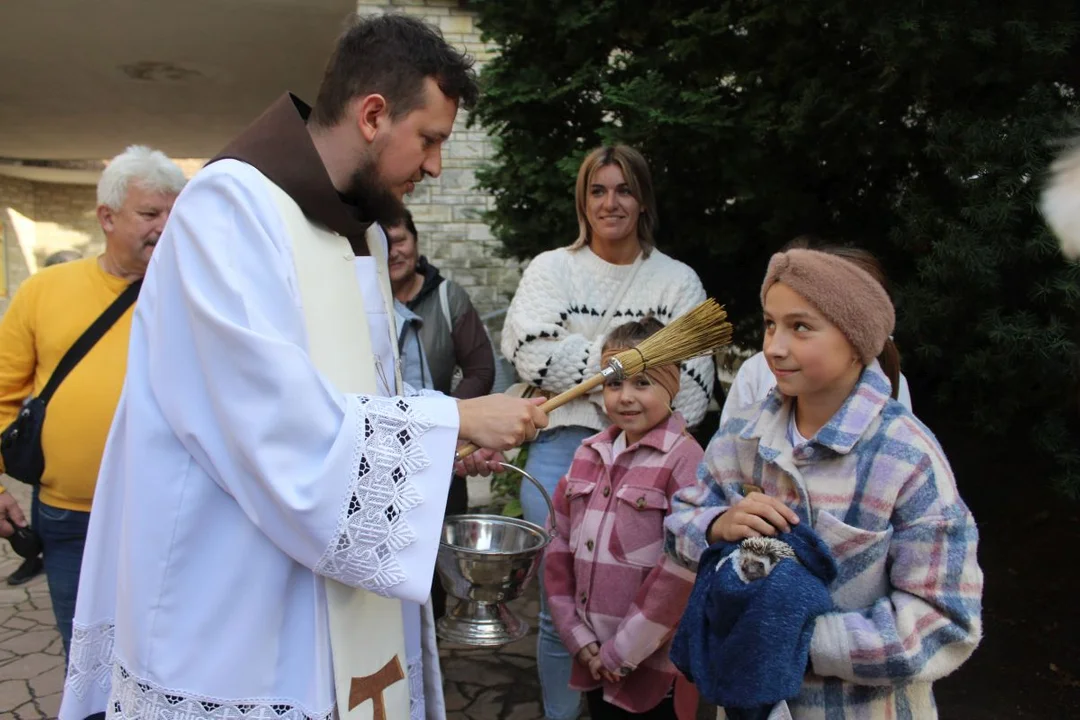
[(149, 168)]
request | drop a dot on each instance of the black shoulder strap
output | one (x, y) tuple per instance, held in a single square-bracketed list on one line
[(89, 338)]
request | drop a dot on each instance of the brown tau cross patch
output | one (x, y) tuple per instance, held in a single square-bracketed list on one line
[(371, 687)]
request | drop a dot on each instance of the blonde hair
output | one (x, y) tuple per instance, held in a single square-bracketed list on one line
[(635, 171)]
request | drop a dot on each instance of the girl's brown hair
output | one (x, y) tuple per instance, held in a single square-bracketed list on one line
[(635, 172), (629, 335)]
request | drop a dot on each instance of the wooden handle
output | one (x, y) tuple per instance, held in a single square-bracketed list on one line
[(557, 401)]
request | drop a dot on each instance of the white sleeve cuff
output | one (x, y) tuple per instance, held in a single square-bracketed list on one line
[(390, 521)]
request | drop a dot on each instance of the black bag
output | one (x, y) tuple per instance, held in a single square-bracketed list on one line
[(20, 443)]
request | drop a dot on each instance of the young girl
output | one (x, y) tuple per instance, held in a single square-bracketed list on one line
[(754, 380), (615, 598), (830, 447)]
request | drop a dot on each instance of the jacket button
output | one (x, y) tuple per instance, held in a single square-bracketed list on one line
[(584, 597), (607, 491), (640, 503), (589, 544)]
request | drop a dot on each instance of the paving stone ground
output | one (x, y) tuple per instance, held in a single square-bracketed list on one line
[(480, 684), (31, 654)]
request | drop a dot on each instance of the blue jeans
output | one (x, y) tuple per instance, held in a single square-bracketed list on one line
[(63, 536), (549, 459)]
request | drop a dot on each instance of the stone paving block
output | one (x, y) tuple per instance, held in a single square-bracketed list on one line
[(13, 595), (455, 701), (47, 683), (472, 670), (13, 694), (20, 622), (31, 666), (486, 706), (41, 617), (50, 704), (6, 635), (528, 711), (30, 642), (57, 645), (28, 711)]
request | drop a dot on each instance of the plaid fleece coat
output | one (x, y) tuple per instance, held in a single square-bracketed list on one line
[(876, 486), (605, 572)]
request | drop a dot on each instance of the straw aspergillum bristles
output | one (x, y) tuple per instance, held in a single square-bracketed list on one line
[(699, 331)]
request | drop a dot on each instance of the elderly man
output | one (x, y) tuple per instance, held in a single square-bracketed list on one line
[(47, 315)]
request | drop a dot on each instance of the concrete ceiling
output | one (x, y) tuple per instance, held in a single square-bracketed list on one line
[(83, 79)]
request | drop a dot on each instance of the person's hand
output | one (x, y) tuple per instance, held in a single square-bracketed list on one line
[(755, 515), (500, 422), (596, 666), (599, 672), (586, 654), (11, 515), (481, 462)]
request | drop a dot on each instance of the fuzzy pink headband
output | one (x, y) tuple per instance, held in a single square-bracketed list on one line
[(848, 296)]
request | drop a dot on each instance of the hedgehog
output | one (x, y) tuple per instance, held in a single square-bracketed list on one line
[(756, 557)]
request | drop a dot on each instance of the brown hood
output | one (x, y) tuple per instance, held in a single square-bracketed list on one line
[(279, 146)]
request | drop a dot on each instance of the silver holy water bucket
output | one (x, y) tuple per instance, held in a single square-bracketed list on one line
[(485, 561)]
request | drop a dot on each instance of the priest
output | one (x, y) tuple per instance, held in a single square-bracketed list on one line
[(270, 500)]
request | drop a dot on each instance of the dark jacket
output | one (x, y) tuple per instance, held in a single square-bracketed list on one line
[(465, 344)]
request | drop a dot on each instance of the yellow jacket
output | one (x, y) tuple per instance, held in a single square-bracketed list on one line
[(47, 315)]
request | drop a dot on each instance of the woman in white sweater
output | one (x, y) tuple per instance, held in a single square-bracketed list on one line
[(568, 300)]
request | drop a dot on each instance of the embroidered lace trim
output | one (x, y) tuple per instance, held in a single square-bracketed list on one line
[(417, 710), (136, 699), (90, 658), (372, 527)]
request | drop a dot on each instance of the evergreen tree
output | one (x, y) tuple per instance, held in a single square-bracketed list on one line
[(918, 131)]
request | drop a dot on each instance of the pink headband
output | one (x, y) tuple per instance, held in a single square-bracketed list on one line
[(848, 296), (666, 376)]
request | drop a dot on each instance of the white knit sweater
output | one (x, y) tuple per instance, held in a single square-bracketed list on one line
[(552, 333)]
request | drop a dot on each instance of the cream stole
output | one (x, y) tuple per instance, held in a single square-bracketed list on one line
[(367, 634)]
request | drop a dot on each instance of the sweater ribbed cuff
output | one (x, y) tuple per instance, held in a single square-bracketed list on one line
[(830, 654)]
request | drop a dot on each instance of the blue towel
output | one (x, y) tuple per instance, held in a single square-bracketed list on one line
[(746, 644)]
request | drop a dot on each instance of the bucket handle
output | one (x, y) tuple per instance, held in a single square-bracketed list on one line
[(534, 481)]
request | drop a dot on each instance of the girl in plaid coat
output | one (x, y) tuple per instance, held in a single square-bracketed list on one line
[(615, 598), (830, 446)]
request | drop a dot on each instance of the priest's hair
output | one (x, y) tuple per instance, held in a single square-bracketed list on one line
[(392, 54), (151, 169)]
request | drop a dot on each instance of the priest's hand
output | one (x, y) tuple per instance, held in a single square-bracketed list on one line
[(500, 422)]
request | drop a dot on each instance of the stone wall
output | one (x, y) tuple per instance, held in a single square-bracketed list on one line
[(38, 219)]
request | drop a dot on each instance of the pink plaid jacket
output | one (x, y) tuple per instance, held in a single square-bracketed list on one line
[(605, 572)]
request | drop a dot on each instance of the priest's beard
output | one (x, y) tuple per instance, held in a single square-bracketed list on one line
[(368, 191)]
